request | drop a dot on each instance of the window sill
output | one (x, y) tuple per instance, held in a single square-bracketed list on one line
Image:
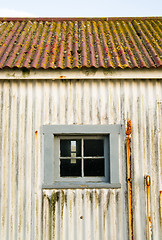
[(71, 185)]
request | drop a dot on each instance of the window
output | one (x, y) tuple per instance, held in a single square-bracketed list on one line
[(81, 156)]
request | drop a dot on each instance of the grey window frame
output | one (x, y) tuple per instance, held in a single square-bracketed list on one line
[(51, 151)]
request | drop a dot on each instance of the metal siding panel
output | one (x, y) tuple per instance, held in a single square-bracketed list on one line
[(159, 119), (4, 160), (25, 107), (82, 214), (28, 166), (21, 160), (12, 184)]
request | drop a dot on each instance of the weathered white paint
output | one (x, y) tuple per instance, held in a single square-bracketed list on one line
[(27, 212), (83, 214), (90, 73)]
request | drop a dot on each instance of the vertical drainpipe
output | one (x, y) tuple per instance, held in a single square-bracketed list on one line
[(148, 207), (129, 178), (160, 203)]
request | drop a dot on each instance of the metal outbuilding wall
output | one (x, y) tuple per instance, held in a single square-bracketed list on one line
[(26, 211)]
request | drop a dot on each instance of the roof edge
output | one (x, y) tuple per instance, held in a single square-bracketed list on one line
[(50, 19), (68, 74)]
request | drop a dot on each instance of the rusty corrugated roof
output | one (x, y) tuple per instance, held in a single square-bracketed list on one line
[(81, 42)]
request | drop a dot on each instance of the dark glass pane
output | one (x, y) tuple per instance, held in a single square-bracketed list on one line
[(94, 167), (94, 148), (70, 148), (70, 167)]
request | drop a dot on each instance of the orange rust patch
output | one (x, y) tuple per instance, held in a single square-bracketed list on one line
[(129, 178), (161, 194), (148, 208), (148, 180), (149, 218), (36, 132), (62, 77), (128, 128)]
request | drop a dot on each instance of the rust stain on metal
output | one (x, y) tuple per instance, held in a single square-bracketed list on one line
[(128, 129), (36, 134), (129, 178), (36, 137), (148, 180), (62, 77), (148, 208)]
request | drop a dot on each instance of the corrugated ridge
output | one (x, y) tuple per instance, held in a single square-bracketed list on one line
[(81, 42)]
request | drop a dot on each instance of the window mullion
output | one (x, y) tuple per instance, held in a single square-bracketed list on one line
[(82, 158)]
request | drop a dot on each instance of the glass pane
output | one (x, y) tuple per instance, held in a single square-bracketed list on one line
[(70, 148), (94, 148), (94, 167), (70, 167)]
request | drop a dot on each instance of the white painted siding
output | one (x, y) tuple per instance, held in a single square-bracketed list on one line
[(83, 214), (27, 213)]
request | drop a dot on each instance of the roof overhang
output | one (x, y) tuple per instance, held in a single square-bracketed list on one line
[(91, 73)]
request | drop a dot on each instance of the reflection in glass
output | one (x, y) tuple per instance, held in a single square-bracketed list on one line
[(70, 148)]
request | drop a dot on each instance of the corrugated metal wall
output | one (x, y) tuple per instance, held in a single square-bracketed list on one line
[(27, 212), (83, 214)]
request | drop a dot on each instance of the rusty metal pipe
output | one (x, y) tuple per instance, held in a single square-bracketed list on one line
[(129, 178), (148, 207), (160, 203)]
